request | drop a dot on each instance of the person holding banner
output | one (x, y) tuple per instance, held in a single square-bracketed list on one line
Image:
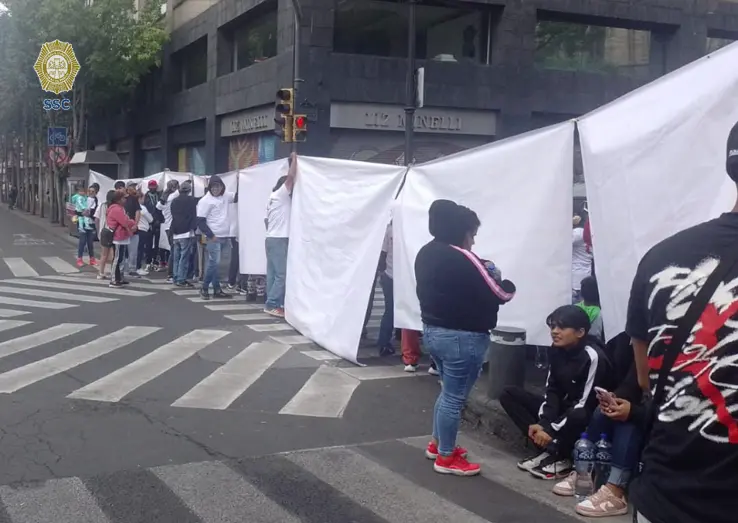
[(277, 239)]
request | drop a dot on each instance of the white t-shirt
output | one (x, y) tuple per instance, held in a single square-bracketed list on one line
[(215, 210), (101, 213), (166, 210), (387, 247), (145, 220), (278, 213), (581, 259)]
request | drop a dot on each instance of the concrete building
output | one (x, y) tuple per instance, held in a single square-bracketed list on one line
[(494, 68)]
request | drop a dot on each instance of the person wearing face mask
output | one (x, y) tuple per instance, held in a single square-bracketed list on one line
[(458, 312), (214, 222)]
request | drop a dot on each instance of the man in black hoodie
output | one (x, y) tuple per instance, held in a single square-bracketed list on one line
[(577, 364), (184, 223), (150, 201)]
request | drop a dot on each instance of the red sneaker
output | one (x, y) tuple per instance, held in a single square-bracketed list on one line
[(456, 465), (93, 262), (431, 451), (80, 263)]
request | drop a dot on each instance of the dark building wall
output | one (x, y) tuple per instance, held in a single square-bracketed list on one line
[(512, 84)]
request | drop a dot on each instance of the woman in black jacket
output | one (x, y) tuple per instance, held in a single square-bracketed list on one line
[(459, 299)]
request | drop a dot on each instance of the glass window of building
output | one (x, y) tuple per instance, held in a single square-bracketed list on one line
[(191, 65), (581, 47), (255, 41), (715, 42), (458, 32)]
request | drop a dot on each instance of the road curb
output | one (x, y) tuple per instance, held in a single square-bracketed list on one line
[(56, 230), (489, 416)]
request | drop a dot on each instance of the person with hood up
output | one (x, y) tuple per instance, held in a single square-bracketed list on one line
[(164, 205), (184, 223), (150, 201), (214, 222)]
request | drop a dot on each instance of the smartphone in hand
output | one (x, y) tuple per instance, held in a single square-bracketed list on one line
[(605, 397)]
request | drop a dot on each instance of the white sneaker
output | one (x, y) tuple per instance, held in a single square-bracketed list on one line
[(411, 368), (566, 487), (142, 272), (552, 468), (529, 464), (433, 371)]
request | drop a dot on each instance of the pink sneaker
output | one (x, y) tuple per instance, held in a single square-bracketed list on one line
[(93, 262), (80, 263), (456, 465)]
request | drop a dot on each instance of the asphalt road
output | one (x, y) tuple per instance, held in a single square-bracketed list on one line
[(148, 405)]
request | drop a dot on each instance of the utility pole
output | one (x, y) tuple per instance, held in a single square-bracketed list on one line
[(410, 84), (296, 80)]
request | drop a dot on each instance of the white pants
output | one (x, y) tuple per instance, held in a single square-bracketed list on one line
[(130, 263)]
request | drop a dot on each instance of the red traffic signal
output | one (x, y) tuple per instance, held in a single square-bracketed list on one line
[(300, 122)]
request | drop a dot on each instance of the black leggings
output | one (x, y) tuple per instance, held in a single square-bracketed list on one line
[(119, 256)]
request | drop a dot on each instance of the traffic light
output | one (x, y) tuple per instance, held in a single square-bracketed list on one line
[(284, 109), (299, 128)]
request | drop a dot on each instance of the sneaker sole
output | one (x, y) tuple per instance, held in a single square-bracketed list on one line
[(543, 475), (456, 472), (430, 455), (563, 493), (595, 514)]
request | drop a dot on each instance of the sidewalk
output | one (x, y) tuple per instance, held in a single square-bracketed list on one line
[(54, 229)]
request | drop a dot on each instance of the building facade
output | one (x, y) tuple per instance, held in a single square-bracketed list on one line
[(493, 68)]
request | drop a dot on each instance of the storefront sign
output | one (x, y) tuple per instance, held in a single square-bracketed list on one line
[(427, 120), (247, 122)]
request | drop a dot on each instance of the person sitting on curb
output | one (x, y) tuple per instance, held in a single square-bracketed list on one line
[(577, 364)]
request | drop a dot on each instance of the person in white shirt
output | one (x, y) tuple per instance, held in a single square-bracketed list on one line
[(165, 206), (581, 263), (100, 223), (144, 233), (277, 240), (214, 223)]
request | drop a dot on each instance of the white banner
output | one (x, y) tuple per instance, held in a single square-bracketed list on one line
[(654, 163), (521, 189), (340, 211), (254, 187)]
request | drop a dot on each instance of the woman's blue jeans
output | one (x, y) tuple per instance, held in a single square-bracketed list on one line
[(459, 356), (626, 445), (86, 239)]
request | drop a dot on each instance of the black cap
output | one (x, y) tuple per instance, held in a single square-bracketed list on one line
[(731, 162)]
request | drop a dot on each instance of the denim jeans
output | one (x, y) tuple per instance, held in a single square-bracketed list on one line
[(213, 250), (276, 254), (387, 325), (181, 259), (459, 356), (132, 256), (86, 239), (626, 445)]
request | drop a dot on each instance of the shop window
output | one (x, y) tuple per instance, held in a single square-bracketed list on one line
[(595, 48), (191, 159), (444, 32), (191, 65), (152, 162)]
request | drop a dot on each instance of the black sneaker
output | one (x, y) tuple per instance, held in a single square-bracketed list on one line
[(204, 294), (125, 282), (553, 467), (387, 350), (221, 295), (188, 284), (115, 284)]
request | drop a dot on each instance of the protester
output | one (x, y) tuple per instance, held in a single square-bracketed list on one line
[(555, 421), (277, 239), (85, 226), (122, 227), (458, 311), (132, 207), (144, 236), (12, 197), (164, 205), (213, 221), (184, 223), (101, 220), (581, 266), (691, 454), (150, 201), (591, 305)]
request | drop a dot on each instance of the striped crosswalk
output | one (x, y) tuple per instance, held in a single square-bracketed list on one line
[(181, 358), (34, 267), (382, 482)]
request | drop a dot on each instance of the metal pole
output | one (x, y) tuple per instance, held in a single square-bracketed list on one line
[(296, 80), (410, 84)]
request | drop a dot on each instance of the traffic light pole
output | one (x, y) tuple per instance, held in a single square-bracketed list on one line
[(410, 85), (296, 80)]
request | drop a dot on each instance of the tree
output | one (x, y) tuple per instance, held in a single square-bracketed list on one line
[(115, 46)]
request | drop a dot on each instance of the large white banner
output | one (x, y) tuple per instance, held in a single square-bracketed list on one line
[(521, 189), (340, 211), (654, 163), (254, 187)]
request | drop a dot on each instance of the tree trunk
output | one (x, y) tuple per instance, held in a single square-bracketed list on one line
[(24, 162)]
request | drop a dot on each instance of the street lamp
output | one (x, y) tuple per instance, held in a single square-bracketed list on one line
[(410, 84)]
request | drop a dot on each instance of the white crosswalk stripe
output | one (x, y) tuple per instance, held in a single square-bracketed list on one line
[(5, 300), (325, 395), (235, 307), (31, 341), (59, 265), (79, 288), (6, 325), (271, 327), (10, 313), (20, 267), (91, 280), (122, 382), (56, 295), (249, 317)]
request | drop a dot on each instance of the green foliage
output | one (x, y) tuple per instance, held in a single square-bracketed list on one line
[(114, 45)]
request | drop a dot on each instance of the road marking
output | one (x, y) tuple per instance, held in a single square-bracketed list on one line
[(10, 313), (58, 500), (38, 304), (379, 372), (80, 288), (200, 300), (320, 355), (292, 340), (125, 380), (91, 280), (254, 316), (6, 325), (39, 338), (271, 327), (21, 377), (56, 295), (224, 386), (236, 307), (59, 265), (325, 395), (19, 267), (217, 494), (187, 292)]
